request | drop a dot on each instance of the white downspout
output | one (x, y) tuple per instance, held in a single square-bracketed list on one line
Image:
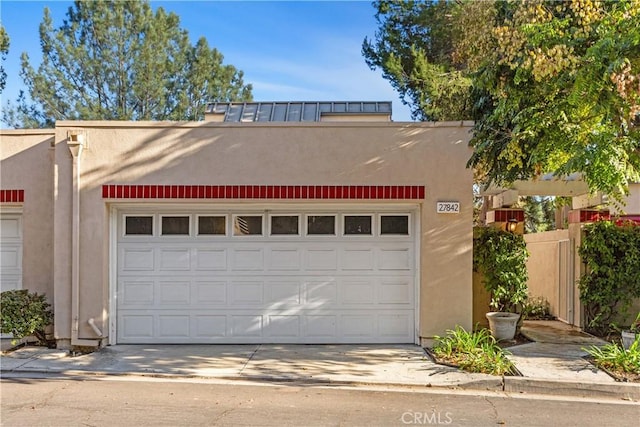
[(95, 328), (76, 142)]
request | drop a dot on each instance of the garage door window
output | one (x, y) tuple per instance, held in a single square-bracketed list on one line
[(212, 225), (357, 225), (138, 226), (394, 225), (285, 225), (321, 225), (247, 225), (175, 225)]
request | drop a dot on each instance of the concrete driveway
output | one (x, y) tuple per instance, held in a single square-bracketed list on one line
[(372, 364)]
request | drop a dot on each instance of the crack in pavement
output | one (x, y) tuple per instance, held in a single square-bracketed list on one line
[(249, 359)]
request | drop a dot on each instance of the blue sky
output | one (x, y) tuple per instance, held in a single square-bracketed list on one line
[(289, 50)]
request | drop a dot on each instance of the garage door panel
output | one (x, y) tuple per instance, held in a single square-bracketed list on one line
[(321, 326), (210, 293), (357, 259), (210, 326), (134, 327), (174, 326), (10, 258), (248, 259), (395, 259), (321, 293), (283, 294), (358, 326), (246, 293), (136, 292), (321, 259), (210, 259), (10, 252), (136, 259), (246, 325), (10, 227), (284, 259), (265, 289), (283, 326), (396, 325), (174, 259), (357, 292), (396, 291), (174, 293), (10, 282)]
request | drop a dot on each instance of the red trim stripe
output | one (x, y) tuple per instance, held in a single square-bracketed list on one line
[(321, 192), (11, 196)]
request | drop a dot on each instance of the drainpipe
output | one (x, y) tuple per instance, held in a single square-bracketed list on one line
[(76, 142)]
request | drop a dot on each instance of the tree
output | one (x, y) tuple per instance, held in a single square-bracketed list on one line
[(560, 93), (4, 49), (554, 86), (427, 51), (115, 60)]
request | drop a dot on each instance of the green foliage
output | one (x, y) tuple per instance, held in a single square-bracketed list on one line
[(613, 357), (539, 213), (552, 86), (501, 258), (559, 94), (635, 325), (415, 47), (612, 255), (120, 60), (4, 49), (537, 308), (24, 313), (473, 352)]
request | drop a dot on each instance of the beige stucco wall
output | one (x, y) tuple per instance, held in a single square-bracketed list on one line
[(25, 164), (384, 153)]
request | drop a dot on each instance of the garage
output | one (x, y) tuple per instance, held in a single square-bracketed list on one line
[(10, 251), (246, 274)]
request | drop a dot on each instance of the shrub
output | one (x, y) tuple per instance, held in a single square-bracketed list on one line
[(612, 255), (473, 352), (537, 308), (23, 314), (501, 258), (613, 357)]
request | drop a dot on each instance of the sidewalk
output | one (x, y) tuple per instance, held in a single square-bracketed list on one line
[(551, 365)]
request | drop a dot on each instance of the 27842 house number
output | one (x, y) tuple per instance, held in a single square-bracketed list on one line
[(448, 207)]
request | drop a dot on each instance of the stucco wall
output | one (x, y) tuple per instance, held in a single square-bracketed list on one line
[(201, 153), (26, 165)]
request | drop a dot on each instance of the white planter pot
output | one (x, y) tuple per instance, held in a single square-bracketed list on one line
[(627, 339), (503, 325)]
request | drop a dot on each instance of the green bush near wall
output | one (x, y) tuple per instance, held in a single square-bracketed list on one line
[(611, 253), (501, 257), (23, 314)]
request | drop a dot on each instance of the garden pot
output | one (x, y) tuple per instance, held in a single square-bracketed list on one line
[(503, 325), (628, 338)]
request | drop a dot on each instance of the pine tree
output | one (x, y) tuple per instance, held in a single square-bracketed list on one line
[(120, 60)]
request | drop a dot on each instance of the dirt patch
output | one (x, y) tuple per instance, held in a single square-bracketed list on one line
[(519, 339), (445, 362), (625, 377)]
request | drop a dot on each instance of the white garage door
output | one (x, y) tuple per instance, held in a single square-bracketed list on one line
[(10, 251), (266, 277)]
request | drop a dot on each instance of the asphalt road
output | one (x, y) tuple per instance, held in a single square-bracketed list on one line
[(134, 401)]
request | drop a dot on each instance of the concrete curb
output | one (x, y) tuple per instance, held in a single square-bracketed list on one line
[(619, 390)]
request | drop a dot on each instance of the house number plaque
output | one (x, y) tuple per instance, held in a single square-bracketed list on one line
[(448, 207)]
